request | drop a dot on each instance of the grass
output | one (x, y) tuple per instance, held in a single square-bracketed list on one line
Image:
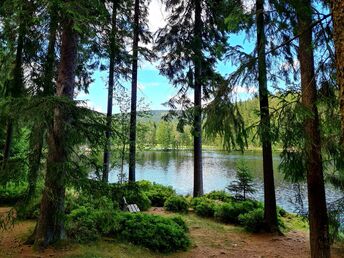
[(295, 222)]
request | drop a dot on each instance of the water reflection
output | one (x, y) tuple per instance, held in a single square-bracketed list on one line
[(176, 169)]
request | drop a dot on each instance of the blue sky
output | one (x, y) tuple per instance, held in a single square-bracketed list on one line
[(153, 87)]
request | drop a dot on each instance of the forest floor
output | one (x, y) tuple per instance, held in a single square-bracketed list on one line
[(209, 239)]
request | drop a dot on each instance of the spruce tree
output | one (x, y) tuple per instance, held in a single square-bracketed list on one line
[(190, 45), (318, 217)]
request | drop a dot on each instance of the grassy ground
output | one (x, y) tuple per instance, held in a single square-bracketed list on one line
[(209, 239)]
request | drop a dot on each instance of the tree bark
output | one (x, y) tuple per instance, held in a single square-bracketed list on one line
[(198, 171), (270, 213), (132, 130), (36, 145), (318, 218), (107, 154), (15, 90), (338, 36), (50, 228)]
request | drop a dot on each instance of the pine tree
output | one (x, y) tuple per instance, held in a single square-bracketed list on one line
[(318, 217), (270, 209), (244, 184), (112, 56), (190, 44), (140, 34), (338, 36)]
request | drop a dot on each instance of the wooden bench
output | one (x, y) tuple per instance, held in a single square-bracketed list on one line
[(131, 207)]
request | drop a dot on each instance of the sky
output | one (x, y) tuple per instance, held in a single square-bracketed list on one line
[(154, 88)]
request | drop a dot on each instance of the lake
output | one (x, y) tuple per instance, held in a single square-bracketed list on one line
[(175, 168)]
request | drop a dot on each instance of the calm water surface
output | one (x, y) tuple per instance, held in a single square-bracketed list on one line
[(176, 169)]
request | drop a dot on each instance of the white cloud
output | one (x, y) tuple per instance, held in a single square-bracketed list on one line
[(248, 5), (157, 15), (244, 90)]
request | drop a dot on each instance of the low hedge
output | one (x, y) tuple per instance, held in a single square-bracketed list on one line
[(177, 203)]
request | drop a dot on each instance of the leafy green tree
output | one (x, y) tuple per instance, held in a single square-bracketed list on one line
[(164, 135)]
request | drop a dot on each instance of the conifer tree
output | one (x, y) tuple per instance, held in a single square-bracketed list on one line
[(318, 217), (270, 209), (140, 34), (190, 44)]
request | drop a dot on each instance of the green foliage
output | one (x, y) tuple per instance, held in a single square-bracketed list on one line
[(219, 195), (177, 203), (158, 194), (29, 210), (244, 183), (11, 193), (89, 218), (133, 194), (253, 221), (80, 225), (205, 207), (229, 212), (154, 232)]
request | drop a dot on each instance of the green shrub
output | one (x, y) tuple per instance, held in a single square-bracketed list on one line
[(158, 194), (86, 224), (178, 220), (11, 193), (139, 198), (132, 193), (205, 207), (229, 212), (29, 210), (219, 195), (253, 221), (177, 203), (282, 212), (80, 225), (145, 185), (154, 232), (195, 201), (74, 200)]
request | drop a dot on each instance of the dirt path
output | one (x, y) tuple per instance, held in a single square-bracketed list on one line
[(210, 239)]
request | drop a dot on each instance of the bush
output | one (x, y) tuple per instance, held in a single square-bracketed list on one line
[(86, 224), (133, 194), (253, 221), (282, 212), (177, 203), (205, 207), (11, 193), (80, 226), (229, 212), (219, 195), (178, 220), (158, 194), (154, 232), (29, 210)]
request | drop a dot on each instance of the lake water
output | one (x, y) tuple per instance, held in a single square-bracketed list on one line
[(176, 169)]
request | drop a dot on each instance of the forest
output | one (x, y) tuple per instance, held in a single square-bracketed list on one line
[(80, 182)]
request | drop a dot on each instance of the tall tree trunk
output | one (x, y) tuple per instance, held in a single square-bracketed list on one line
[(36, 145), (198, 172), (132, 133), (15, 90), (338, 36), (38, 129), (270, 213), (50, 226), (318, 219), (106, 164)]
